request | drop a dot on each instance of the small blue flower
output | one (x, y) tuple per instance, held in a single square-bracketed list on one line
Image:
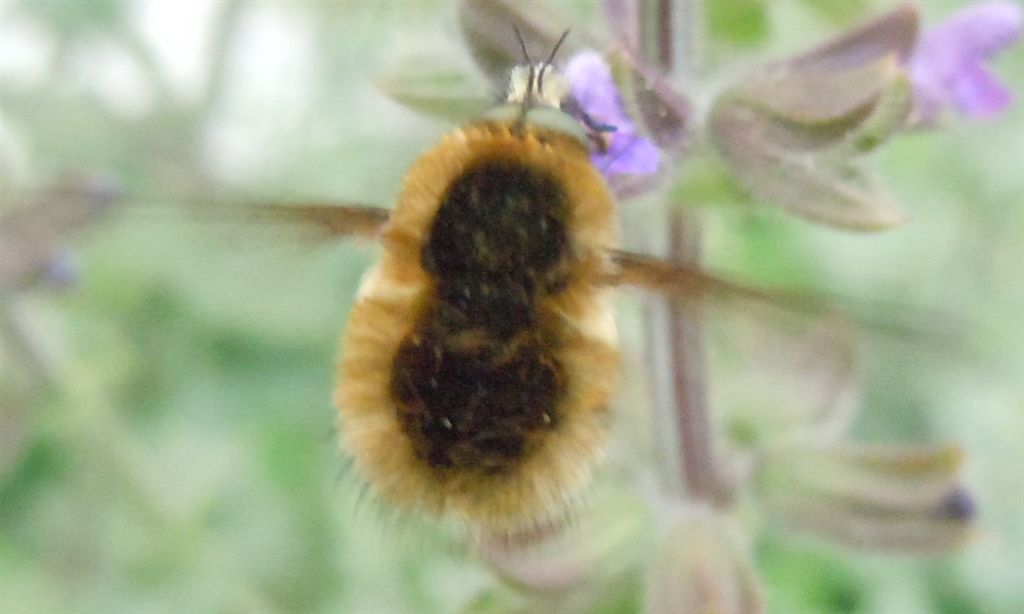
[(594, 91), (947, 67)]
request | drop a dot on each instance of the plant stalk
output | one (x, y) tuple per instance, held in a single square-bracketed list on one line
[(671, 35)]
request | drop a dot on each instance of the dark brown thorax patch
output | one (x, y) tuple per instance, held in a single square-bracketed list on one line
[(478, 381)]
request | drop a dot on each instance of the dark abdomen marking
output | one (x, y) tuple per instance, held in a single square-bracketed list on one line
[(478, 381)]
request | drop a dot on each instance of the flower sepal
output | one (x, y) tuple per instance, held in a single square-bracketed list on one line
[(663, 114), (487, 29), (889, 498), (792, 132), (587, 552), (444, 93)]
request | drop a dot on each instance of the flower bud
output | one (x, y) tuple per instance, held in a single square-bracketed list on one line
[(904, 499)]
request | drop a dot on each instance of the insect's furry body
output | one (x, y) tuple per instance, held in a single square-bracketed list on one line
[(478, 362)]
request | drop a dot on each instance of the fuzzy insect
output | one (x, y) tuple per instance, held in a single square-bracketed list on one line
[(481, 355), (479, 360)]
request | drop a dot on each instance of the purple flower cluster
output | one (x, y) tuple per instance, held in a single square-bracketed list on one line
[(947, 69)]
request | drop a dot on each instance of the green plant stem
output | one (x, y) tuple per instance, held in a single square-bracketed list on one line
[(671, 35)]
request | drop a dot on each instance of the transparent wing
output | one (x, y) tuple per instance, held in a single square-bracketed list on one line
[(888, 319), (329, 220)]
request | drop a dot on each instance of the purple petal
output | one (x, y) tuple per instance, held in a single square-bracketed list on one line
[(594, 91), (977, 93), (946, 68), (631, 155), (977, 32)]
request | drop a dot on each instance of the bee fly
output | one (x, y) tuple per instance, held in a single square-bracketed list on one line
[(479, 359), (481, 354)]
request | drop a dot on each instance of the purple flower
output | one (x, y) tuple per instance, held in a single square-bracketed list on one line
[(596, 95), (947, 67)]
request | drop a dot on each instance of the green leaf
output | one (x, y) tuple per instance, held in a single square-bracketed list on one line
[(443, 93)]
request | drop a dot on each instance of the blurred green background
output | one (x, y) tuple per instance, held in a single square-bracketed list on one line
[(168, 443)]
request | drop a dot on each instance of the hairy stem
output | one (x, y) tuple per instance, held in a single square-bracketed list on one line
[(672, 34), (686, 343)]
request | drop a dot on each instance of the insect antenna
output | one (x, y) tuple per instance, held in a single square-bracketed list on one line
[(551, 58), (529, 63)]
